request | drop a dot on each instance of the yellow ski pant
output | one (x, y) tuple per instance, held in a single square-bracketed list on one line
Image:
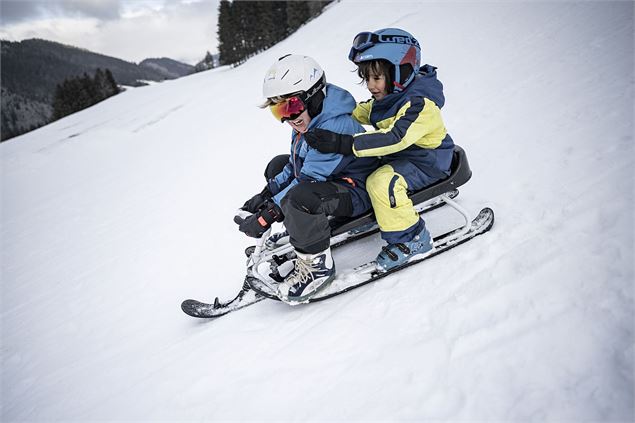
[(388, 191)]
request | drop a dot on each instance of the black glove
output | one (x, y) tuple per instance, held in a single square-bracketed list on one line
[(257, 201), (258, 223), (329, 142)]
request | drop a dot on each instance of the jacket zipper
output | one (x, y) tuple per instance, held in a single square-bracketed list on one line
[(295, 147)]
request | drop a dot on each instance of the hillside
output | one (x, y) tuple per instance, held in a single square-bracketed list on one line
[(31, 69), (169, 68), (112, 216)]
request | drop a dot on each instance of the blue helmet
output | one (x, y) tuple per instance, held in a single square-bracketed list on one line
[(393, 45)]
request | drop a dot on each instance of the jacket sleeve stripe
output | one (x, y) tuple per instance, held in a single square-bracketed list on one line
[(425, 130), (393, 138)]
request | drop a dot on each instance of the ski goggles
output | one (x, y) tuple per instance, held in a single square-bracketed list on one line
[(365, 40), (289, 109)]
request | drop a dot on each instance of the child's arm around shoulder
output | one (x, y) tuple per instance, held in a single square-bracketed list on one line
[(321, 166), (417, 121)]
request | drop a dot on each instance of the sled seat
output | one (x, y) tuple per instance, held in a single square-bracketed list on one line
[(460, 173)]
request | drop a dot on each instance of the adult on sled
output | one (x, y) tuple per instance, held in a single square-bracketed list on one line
[(409, 136), (307, 186)]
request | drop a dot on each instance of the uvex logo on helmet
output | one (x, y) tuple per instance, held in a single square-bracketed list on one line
[(398, 39)]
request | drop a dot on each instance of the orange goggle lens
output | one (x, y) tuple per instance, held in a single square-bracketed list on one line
[(291, 108)]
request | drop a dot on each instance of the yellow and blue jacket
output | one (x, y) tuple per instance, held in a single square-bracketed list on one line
[(408, 125)]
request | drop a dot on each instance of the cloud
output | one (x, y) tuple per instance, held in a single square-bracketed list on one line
[(17, 11), (100, 9), (13, 11), (180, 29), (63, 30)]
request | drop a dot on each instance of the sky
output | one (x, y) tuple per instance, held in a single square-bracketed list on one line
[(132, 30)]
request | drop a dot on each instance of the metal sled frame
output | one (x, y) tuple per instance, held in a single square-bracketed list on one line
[(431, 195)]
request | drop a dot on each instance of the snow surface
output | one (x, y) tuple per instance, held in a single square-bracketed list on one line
[(114, 215)]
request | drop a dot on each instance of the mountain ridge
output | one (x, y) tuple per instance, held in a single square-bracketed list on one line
[(32, 68)]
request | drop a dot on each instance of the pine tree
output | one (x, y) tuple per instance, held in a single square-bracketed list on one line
[(226, 47), (76, 94), (242, 12), (246, 27), (315, 7), (87, 94), (297, 14), (60, 102), (113, 88), (268, 23), (101, 90), (260, 26), (205, 64), (279, 30), (209, 60)]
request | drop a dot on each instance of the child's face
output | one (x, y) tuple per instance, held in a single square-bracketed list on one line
[(377, 85), (301, 124)]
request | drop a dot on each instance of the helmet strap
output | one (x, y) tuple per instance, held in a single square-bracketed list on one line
[(397, 80), (401, 82), (315, 104), (316, 97)]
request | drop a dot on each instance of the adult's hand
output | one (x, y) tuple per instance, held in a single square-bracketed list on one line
[(256, 202), (258, 223)]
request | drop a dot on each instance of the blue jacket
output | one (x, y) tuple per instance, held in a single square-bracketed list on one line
[(408, 125), (307, 164)]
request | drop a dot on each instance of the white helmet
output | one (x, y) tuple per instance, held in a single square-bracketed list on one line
[(291, 74)]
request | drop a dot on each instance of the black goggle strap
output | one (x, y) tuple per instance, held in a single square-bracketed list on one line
[(365, 40)]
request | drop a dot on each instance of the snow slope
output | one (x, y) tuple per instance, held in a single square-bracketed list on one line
[(114, 215)]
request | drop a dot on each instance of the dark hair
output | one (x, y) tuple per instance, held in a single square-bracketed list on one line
[(377, 67)]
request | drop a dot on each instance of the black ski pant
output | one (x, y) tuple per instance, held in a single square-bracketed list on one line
[(306, 208)]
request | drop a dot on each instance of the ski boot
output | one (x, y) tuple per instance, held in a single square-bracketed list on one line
[(277, 240), (311, 274), (394, 255)]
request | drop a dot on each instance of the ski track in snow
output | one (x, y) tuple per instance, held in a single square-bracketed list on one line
[(114, 215)]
